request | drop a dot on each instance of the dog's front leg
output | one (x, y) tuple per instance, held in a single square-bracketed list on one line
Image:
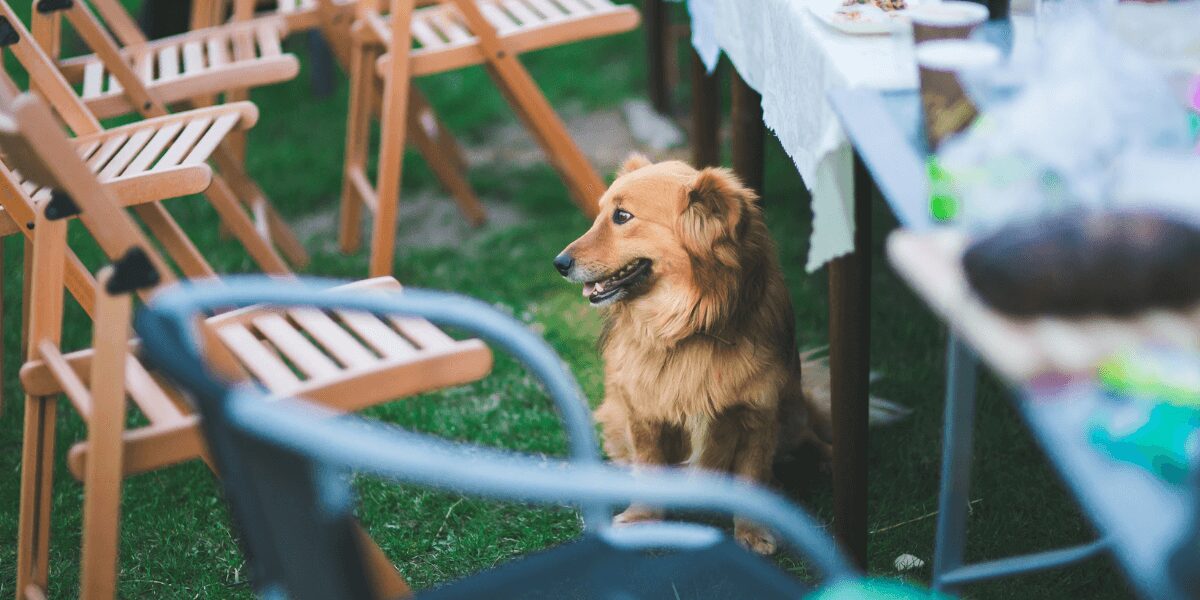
[(742, 442), (649, 444)]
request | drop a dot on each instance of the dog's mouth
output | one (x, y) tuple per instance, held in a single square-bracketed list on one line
[(613, 285)]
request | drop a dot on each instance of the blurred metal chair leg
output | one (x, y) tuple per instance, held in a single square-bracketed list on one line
[(950, 572)]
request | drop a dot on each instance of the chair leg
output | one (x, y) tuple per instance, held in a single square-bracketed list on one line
[(26, 292), (103, 473), (444, 158), (178, 245), (2, 321), (958, 438), (37, 478), (393, 134), (449, 148), (385, 580), (358, 129), (45, 257), (547, 128), (234, 216), (270, 226)]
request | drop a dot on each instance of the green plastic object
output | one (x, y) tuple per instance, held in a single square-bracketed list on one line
[(943, 205), (874, 589), (1153, 374), (1195, 122), (1159, 438)]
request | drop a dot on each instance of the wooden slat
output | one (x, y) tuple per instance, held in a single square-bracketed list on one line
[(377, 334), (425, 334), (68, 380), (184, 143), (426, 35), (450, 27), (268, 40), (143, 65), (550, 11), (218, 51), (333, 338), (193, 57), (86, 149), (499, 19), (106, 152), (93, 79), (295, 346), (168, 63), (146, 393), (155, 147), (574, 7), (259, 360), (114, 85), (128, 152), (522, 13), (212, 137), (243, 45)]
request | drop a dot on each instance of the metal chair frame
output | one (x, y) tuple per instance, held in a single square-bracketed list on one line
[(334, 447)]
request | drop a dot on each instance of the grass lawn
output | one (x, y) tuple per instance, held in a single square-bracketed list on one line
[(176, 541)]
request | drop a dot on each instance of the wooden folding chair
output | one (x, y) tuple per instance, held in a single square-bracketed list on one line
[(269, 235), (244, 54), (335, 19), (156, 159), (425, 38), (344, 360), (236, 56)]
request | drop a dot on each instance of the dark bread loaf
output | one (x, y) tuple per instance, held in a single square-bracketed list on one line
[(1087, 263)]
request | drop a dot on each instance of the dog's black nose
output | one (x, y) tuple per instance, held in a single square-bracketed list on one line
[(563, 262)]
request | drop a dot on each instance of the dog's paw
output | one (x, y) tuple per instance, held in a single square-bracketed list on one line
[(637, 514), (754, 538)]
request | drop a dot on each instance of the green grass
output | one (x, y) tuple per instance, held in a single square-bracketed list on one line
[(176, 541)]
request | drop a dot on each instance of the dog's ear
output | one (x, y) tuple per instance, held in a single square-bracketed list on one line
[(716, 204), (633, 162)]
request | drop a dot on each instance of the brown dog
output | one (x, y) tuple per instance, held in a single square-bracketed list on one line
[(699, 343)]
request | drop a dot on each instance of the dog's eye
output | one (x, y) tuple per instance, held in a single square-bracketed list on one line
[(621, 217)]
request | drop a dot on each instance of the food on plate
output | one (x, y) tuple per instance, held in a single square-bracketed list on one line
[(1087, 263), (884, 5)]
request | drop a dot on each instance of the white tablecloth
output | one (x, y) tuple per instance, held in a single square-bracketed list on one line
[(792, 59)]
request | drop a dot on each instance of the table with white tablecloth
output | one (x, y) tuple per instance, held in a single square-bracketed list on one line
[(792, 59)]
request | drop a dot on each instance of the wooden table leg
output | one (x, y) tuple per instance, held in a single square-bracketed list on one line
[(747, 124), (657, 22), (706, 116), (849, 357)]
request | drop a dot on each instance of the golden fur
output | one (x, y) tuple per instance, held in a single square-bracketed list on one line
[(701, 364)]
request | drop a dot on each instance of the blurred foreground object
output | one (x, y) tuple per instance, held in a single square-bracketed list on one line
[(1087, 263), (1086, 118)]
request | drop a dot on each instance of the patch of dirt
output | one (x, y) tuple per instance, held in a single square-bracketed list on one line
[(429, 218), (604, 136)]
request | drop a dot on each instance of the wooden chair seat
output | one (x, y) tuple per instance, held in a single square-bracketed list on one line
[(346, 361), (157, 158), (442, 40), (189, 65)]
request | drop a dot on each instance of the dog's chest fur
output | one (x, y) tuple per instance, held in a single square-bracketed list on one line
[(701, 376)]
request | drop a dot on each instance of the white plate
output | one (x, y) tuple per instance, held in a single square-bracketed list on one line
[(858, 19)]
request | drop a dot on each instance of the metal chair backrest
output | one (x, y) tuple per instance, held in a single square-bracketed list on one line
[(286, 465)]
